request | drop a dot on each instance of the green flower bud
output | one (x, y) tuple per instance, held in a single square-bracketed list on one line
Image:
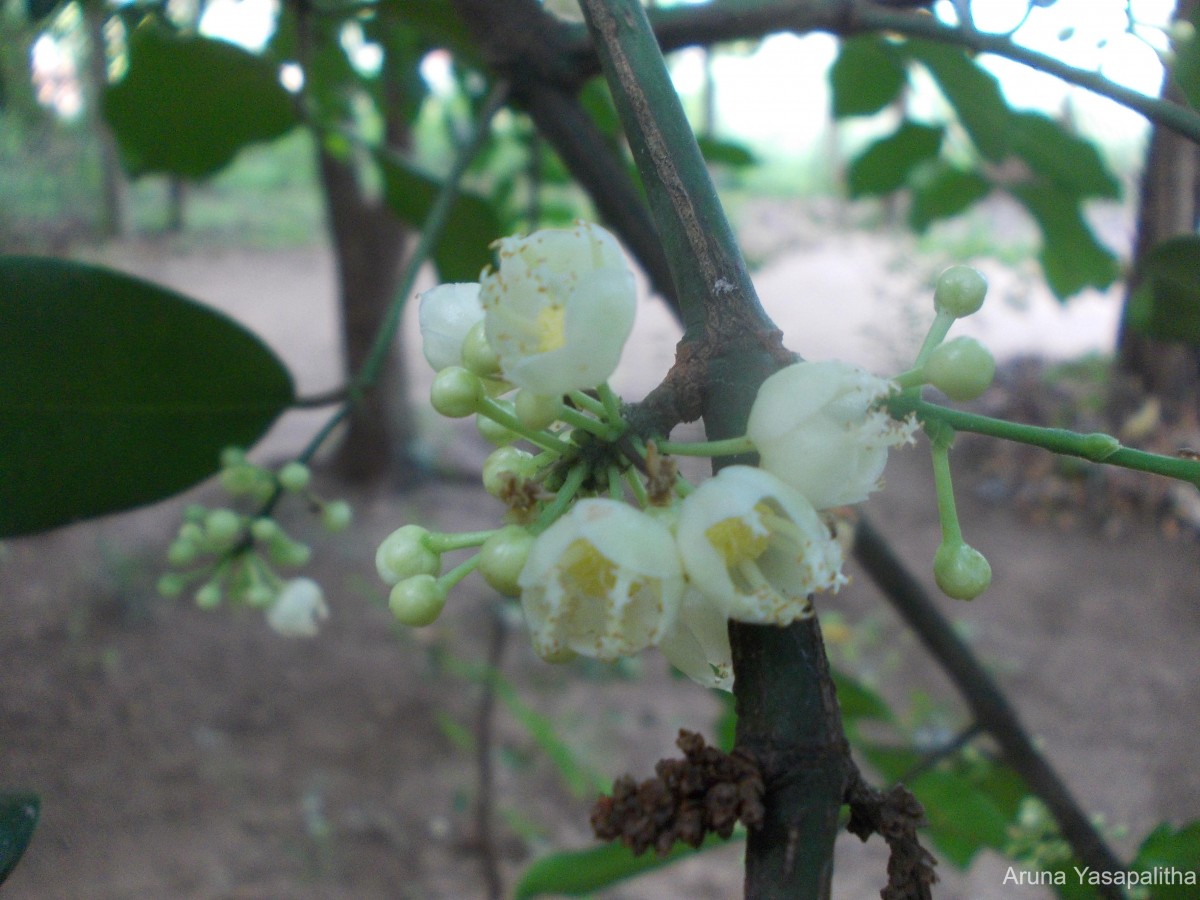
[(222, 527), (404, 554), (477, 354), (182, 553), (171, 585), (502, 557), (962, 369), (195, 513), (286, 552), (456, 392), (961, 571), (209, 596), (294, 477), (536, 411), (258, 596), (336, 516), (241, 479), (417, 601), (960, 291), (192, 533), (264, 529), (232, 456)]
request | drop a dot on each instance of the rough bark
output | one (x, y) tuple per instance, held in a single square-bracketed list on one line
[(1168, 203)]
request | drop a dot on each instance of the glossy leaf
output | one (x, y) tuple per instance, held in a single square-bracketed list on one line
[(885, 165), (18, 819), (116, 393), (1063, 159), (188, 103), (866, 76), (580, 872), (942, 190), (1166, 303), (1173, 850), (973, 92), (1071, 257), (473, 225), (1186, 70)]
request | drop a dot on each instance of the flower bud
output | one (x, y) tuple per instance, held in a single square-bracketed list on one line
[(447, 314), (477, 354), (698, 644), (404, 554), (182, 553), (961, 571), (417, 601), (336, 516), (222, 527), (503, 556), (962, 368), (959, 292), (299, 609), (294, 477), (456, 392), (506, 466), (209, 596)]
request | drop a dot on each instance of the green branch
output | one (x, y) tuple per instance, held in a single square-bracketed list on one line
[(1095, 447)]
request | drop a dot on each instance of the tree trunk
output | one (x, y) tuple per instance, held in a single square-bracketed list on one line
[(1167, 206), (369, 244)]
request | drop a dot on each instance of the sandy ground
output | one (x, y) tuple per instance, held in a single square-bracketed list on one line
[(184, 754)]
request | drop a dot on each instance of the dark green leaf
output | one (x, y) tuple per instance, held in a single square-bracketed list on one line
[(115, 392), (865, 77), (1064, 159), (1186, 70), (463, 250), (188, 103), (885, 165), (1072, 259), (1172, 850), (579, 872), (1166, 304), (973, 92), (726, 153), (18, 819), (440, 25), (942, 190), (858, 701), (963, 819)]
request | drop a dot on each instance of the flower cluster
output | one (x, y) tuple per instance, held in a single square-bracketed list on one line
[(609, 551), (236, 554)]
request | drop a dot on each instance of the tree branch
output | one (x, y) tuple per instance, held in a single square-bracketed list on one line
[(729, 20)]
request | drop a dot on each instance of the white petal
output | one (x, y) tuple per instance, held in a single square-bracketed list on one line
[(447, 313)]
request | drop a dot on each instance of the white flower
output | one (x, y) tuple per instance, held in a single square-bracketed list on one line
[(299, 609), (756, 547), (698, 644), (447, 313), (814, 427), (559, 308), (603, 581)]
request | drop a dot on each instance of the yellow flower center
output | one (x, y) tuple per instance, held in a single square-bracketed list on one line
[(737, 541), (550, 328), (586, 571)]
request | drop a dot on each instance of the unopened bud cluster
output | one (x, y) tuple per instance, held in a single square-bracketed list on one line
[(609, 551), (224, 555)]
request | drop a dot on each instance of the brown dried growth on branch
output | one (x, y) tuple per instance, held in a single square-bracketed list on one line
[(895, 816), (706, 791)]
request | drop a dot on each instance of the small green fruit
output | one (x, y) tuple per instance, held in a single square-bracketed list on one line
[(417, 601), (294, 477), (962, 369), (502, 557), (456, 392)]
